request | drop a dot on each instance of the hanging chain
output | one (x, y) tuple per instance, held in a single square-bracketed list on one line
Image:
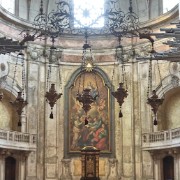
[(23, 77), (160, 78), (15, 70), (48, 76), (112, 76), (83, 61), (82, 65), (130, 6), (149, 77), (96, 83), (60, 79)]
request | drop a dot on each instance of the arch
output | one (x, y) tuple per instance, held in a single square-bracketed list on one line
[(9, 116), (168, 112), (70, 96), (10, 168), (168, 83)]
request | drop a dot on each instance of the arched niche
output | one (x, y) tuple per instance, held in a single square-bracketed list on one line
[(8, 114), (102, 111), (169, 111), (169, 88)]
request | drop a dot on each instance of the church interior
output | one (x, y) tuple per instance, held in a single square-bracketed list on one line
[(89, 90)]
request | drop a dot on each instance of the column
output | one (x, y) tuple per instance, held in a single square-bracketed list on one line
[(157, 168), (176, 167), (24, 123), (21, 167)]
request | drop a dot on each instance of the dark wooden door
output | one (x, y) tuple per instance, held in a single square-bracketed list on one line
[(10, 168), (168, 168)]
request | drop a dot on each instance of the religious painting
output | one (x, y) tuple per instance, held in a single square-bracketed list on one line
[(97, 132)]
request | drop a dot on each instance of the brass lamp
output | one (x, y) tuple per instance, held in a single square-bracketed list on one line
[(86, 99), (52, 96), (19, 104), (120, 94), (155, 102)]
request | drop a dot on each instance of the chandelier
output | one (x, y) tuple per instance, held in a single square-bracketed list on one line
[(61, 21)]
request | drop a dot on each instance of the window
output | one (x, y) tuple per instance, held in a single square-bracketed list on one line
[(169, 4), (88, 13), (9, 5)]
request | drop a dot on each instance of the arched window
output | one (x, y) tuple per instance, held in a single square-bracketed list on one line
[(9, 5), (87, 12), (168, 5)]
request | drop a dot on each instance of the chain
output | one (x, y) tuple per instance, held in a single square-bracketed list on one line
[(96, 83), (160, 77), (23, 77), (48, 77), (15, 70), (149, 78), (83, 61), (130, 6), (112, 76), (60, 79)]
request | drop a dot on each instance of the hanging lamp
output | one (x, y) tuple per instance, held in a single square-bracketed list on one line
[(154, 101), (121, 92), (85, 97), (52, 96), (19, 104)]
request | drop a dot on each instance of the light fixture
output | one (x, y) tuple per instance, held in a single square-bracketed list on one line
[(154, 101), (61, 21), (19, 104), (85, 97), (120, 94), (52, 96)]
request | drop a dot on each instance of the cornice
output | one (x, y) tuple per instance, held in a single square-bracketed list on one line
[(164, 18)]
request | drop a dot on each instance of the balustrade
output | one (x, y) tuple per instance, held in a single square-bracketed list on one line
[(19, 139), (161, 139)]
